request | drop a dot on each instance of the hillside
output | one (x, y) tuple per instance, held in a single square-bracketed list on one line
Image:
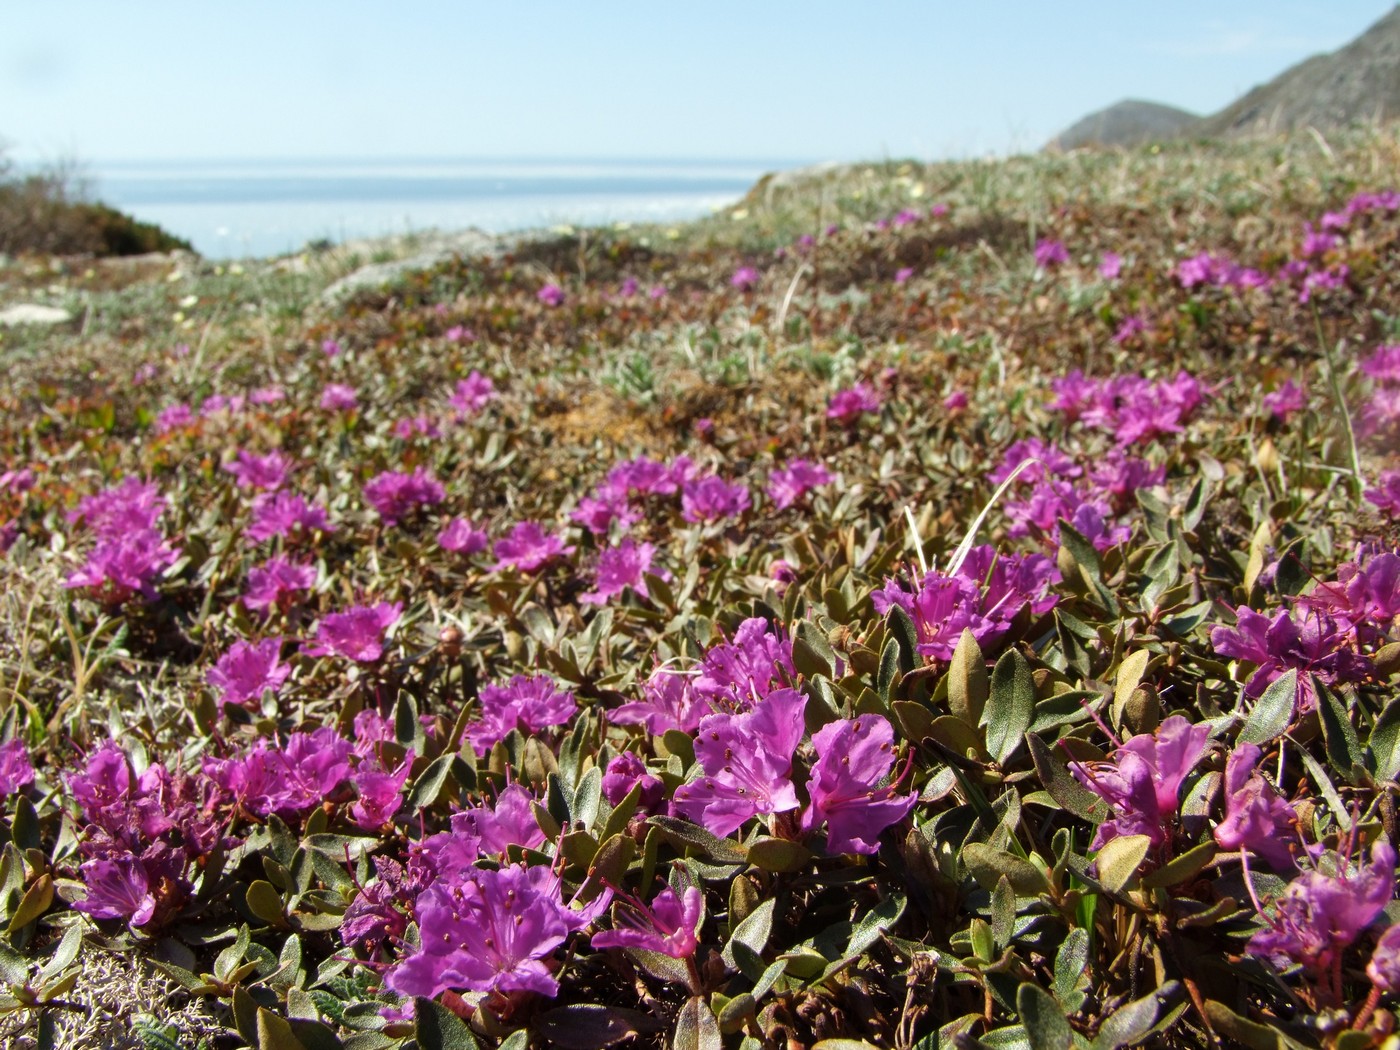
[(1131, 122), (1358, 82)]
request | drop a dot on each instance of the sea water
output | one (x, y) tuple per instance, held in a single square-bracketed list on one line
[(241, 208)]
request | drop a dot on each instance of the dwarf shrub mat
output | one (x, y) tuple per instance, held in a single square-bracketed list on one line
[(950, 605)]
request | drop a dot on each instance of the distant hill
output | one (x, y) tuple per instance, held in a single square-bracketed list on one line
[(1128, 123), (1357, 82)]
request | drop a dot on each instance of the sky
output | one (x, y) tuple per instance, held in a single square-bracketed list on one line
[(810, 80)]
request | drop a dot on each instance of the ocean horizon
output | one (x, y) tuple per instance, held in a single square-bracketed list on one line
[(235, 208)]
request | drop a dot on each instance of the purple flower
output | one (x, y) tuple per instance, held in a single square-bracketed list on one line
[(377, 914), (747, 763), (551, 295), (1320, 915), (854, 758), (395, 495), (1131, 326), (310, 769), (462, 537), (529, 704), (903, 274), (847, 406), (473, 394), (132, 506), (1050, 253), (330, 348), (494, 931), (337, 397), (1386, 494), (669, 702), (598, 512), (1383, 364), (713, 499), (117, 888), (736, 675), (1110, 266), (528, 549), (173, 417), (268, 395), (956, 401), (16, 770), (121, 567), (670, 926), (378, 795), (1051, 462), (1141, 784), (281, 513), (745, 279), (1365, 597), (1317, 646), (789, 483), (248, 670), (357, 633), (625, 565), (1384, 967), (490, 829), (1256, 816), (985, 596), (423, 426), (277, 583), (266, 473), (623, 774)]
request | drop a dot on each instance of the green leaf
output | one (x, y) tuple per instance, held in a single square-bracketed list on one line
[(874, 924), (1133, 1023), (889, 675), (696, 1027), (1272, 711), (812, 654), (1329, 791), (682, 834), (428, 786), (587, 800), (266, 903), (1248, 1033), (1343, 748), (1119, 860), (438, 1028), (1183, 867), (1070, 962), (1130, 673), (1003, 913), (904, 632), (988, 865), (752, 933), (274, 1033), (1383, 745), (1010, 706), (779, 855), (1061, 785), (968, 687), (1043, 1019), (35, 902)]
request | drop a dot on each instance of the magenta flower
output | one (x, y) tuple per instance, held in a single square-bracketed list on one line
[(669, 702), (744, 279), (395, 495), (473, 394), (282, 513), (530, 704), (416, 426), (1320, 915), (956, 401), (378, 795), (551, 295), (462, 537), (985, 596), (1131, 326), (735, 675), (1386, 494), (903, 274), (337, 397), (117, 888), (1051, 461), (747, 764), (608, 505), (287, 780), (789, 483), (248, 670), (854, 759), (493, 931), (268, 395), (277, 584), (264, 473), (713, 499), (1110, 266), (670, 926), (847, 406), (217, 403), (1318, 646), (330, 348), (492, 829), (624, 773), (121, 567), (528, 549), (1365, 597), (16, 770), (173, 417), (1257, 818), (1383, 364), (1050, 253), (1384, 967), (1142, 782), (132, 506), (356, 634), (625, 565)]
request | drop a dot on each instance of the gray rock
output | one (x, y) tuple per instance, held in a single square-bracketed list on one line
[(440, 248), (33, 313)]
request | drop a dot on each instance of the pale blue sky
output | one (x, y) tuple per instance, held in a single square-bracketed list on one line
[(807, 80)]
